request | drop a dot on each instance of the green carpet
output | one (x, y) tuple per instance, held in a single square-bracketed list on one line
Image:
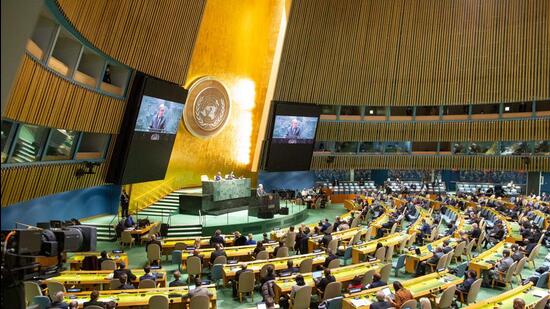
[(137, 259)]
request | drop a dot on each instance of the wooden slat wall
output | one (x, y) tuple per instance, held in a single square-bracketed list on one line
[(506, 130), (454, 162), (43, 98), (153, 36), (403, 52), (26, 183)]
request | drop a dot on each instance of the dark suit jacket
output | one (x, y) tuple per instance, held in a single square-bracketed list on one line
[(60, 305), (94, 303), (377, 284), (380, 305), (118, 272), (322, 284), (215, 254), (328, 259), (177, 283), (217, 240), (158, 123), (241, 241), (325, 240), (293, 132), (465, 286)]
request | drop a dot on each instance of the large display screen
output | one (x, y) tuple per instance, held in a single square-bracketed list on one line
[(293, 129), (144, 147)]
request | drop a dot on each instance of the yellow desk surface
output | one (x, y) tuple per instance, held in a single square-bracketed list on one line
[(76, 258), (486, 259), (531, 295), (139, 297), (143, 230), (237, 252), (168, 245), (359, 251), (313, 242), (229, 270), (412, 259), (277, 235), (89, 279), (420, 287), (283, 285), (423, 214)]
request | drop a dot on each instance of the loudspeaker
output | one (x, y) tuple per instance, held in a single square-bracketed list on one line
[(283, 211), (89, 237), (164, 229), (265, 215)]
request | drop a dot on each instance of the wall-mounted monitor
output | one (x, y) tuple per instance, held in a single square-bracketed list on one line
[(292, 136), (147, 135)]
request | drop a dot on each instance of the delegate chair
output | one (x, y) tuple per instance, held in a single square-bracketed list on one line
[(194, 267), (471, 297), (333, 245), (147, 284), (176, 258), (262, 255), (158, 302), (93, 307), (199, 302), (32, 289), (263, 270), (533, 255), (246, 284), (543, 281), (216, 273), (222, 259), (367, 277), (389, 254), (114, 284), (108, 265), (282, 252), (505, 277), (126, 239), (409, 304), (334, 264), (332, 290), (153, 253), (180, 246), (306, 266), (380, 254), (43, 302), (425, 303), (445, 301), (385, 272), (458, 252), (54, 287), (302, 298), (399, 264), (519, 269), (541, 304), (468, 250), (347, 255)]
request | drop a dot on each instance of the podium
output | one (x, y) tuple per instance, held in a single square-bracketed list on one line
[(265, 207)]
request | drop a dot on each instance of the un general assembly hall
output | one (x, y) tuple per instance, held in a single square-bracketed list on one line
[(261, 154)]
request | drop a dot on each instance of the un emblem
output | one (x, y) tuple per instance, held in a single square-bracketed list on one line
[(207, 108)]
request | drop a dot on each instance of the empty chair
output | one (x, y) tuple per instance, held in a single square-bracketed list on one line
[(411, 240), (158, 302), (409, 304), (334, 263), (306, 266), (108, 265), (216, 273), (194, 267), (533, 255), (458, 252), (519, 268), (380, 254), (468, 249), (403, 245), (449, 258), (333, 245), (356, 238), (54, 287), (302, 298), (262, 255), (153, 253), (368, 234), (446, 299), (332, 290), (472, 293), (389, 254), (222, 259), (282, 252), (176, 258), (399, 264), (32, 289), (199, 302), (246, 284), (347, 254), (385, 272), (114, 284), (334, 303), (147, 284), (543, 281), (126, 239)]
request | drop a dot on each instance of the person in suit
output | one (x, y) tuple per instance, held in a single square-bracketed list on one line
[(260, 191), (250, 240), (103, 257), (123, 271), (294, 131), (177, 281), (124, 203), (237, 275), (376, 281), (425, 229), (446, 248), (381, 302), (94, 296), (124, 284), (259, 248), (240, 240), (290, 268), (270, 275), (148, 274), (281, 244), (421, 267), (302, 245), (129, 222), (331, 256), (325, 240), (322, 283), (517, 255), (58, 301), (501, 267), (158, 123), (464, 288), (199, 290), (155, 241), (217, 238), (218, 251)]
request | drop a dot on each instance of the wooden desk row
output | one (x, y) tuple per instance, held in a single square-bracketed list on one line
[(412, 259), (488, 258), (530, 295), (358, 252), (75, 260), (99, 279), (423, 286), (244, 253), (345, 235), (140, 297), (169, 245)]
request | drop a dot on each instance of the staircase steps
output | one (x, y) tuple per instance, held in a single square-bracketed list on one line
[(177, 231)]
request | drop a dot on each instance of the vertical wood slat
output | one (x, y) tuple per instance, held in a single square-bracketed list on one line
[(153, 36), (41, 97), (415, 52)]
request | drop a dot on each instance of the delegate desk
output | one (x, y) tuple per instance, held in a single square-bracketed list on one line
[(423, 286), (169, 245), (412, 259), (237, 252), (487, 259), (283, 285), (531, 295), (229, 270), (140, 297), (76, 259), (98, 279), (139, 232), (313, 242), (358, 252)]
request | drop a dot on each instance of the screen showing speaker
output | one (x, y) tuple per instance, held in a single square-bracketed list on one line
[(293, 129), (144, 147)]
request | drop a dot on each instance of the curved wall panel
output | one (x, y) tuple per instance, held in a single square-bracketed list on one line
[(404, 53), (43, 98), (507, 130), (153, 36)]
